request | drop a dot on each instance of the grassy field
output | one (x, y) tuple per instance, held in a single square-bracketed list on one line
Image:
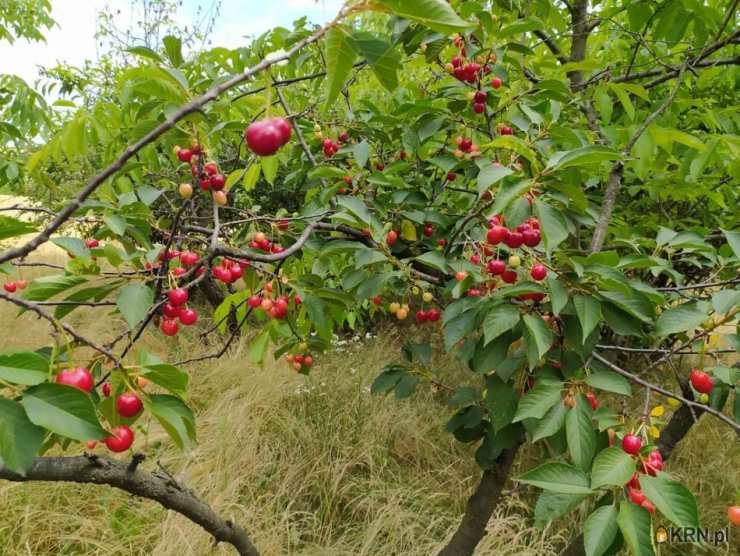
[(309, 465)]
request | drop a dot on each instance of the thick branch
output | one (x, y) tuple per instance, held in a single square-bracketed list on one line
[(154, 486), (480, 507)]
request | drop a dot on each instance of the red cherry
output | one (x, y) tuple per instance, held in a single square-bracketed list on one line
[(120, 440), (297, 299), (380, 166), (391, 237), (401, 155), (475, 259), (538, 272), (631, 444), (284, 127), (496, 82), (634, 482), (91, 243), (466, 143), (496, 267), (308, 361), (194, 171), (637, 496), (78, 377), (460, 275), (456, 61), (474, 292), (178, 271), (10, 287), (507, 131), (264, 138), (509, 276), (21, 284), (128, 404), (701, 381), (733, 514), (348, 180), (591, 397), (218, 181), (343, 137), (205, 183), (514, 240), (90, 444), (531, 237), (421, 316), (496, 234), (428, 230), (210, 168), (184, 155), (254, 301), (442, 242), (377, 300), (433, 314), (236, 272), (188, 316), (170, 311), (169, 327), (648, 505), (479, 108), (451, 176), (106, 389), (188, 258), (221, 274), (178, 296), (480, 97)]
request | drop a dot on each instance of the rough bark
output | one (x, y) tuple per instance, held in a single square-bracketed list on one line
[(480, 507), (154, 486)]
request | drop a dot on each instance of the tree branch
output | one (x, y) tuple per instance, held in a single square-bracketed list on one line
[(154, 486)]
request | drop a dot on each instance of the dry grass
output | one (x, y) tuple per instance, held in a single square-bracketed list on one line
[(309, 465)]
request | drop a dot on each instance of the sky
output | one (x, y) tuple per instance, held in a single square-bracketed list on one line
[(73, 40)]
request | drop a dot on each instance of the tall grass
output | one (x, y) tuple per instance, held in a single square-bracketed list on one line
[(308, 465)]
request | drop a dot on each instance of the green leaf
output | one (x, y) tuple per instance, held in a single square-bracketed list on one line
[(672, 499), (382, 57), (26, 368), (64, 410), (386, 381), (557, 477), (406, 386), (579, 432), (45, 287), (624, 99), (175, 417), (435, 14), (173, 48), (116, 224), (361, 152), (725, 300), (435, 259), (733, 240), (588, 310), (682, 318), (20, 439), (169, 377), (316, 313), (147, 194), (550, 424), (270, 166), (134, 302), (251, 176), (491, 174), (636, 305), (551, 505), (499, 319), (72, 245), (145, 52), (507, 193), (636, 526), (538, 333), (536, 402), (599, 530), (340, 55), (501, 402), (552, 224), (11, 227), (558, 294), (610, 381), (592, 154), (612, 467)]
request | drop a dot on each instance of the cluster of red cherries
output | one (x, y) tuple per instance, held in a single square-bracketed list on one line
[(275, 308), (267, 136), (209, 178), (261, 241), (300, 361), (653, 463), (13, 286), (175, 309), (128, 405), (229, 271), (465, 146)]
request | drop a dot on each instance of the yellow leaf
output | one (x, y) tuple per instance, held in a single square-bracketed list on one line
[(657, 411), (654, 432), (408, 230), (673, 402)]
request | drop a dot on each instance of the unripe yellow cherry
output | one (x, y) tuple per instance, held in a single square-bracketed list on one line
[(401, 314), (515, 261), (185, 190), (415, 290), (394, 307), (427, 296), (220, 198)]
